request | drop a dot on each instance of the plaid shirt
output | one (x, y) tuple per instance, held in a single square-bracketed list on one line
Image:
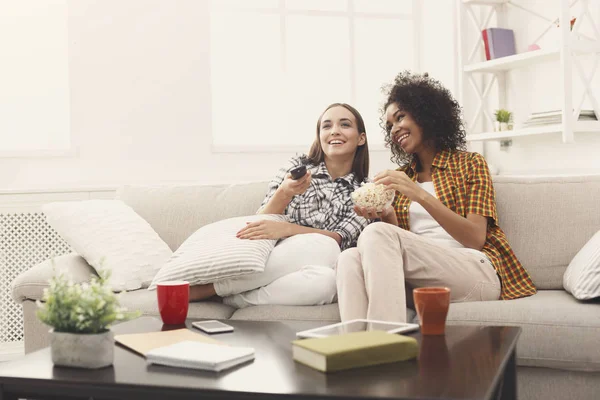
[(326, 204), (463, 184)]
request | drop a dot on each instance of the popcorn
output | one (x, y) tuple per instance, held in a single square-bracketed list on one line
[(372, 195)]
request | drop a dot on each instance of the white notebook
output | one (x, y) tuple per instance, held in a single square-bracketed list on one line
[(197, 355)]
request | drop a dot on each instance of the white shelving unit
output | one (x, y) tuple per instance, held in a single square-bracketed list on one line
[(474, 16)]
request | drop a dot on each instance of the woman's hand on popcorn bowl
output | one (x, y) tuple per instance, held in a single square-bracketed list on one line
[(400, 182), (372, 213), (373, 201)]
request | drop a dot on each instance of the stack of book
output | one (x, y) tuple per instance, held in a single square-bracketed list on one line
[(498, 42), (555, 117), (185, 349)]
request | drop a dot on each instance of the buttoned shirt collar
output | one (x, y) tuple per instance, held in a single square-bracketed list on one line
[(440, 160)]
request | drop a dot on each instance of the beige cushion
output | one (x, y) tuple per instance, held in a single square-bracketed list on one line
[(110, 236), (327, 313), (582, 277), (30, 284), (175, 212), (145, 301), (558, 331), (214, 253), (547, 221)]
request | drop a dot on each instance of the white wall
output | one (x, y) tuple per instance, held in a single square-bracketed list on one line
[(140, 98)]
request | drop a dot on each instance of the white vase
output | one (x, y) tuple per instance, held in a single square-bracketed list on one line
[(82, 350)]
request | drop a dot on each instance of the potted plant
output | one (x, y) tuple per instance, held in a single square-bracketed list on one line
[(504, 119), (80, 316)]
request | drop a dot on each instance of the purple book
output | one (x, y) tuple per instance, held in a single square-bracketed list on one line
[(501, 42)]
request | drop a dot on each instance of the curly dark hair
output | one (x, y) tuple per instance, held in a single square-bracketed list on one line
[(433, 108)]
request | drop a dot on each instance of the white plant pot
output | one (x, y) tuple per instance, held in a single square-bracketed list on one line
[(82, 350), (503, 126)]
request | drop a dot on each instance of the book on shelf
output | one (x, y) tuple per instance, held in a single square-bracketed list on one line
[(555, 117), (498, 42), (199, 355), (352, 350)]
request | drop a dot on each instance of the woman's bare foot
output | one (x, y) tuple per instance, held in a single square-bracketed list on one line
[(202, 292)]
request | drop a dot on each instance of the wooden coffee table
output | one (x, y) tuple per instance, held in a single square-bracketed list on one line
[(469, 362)]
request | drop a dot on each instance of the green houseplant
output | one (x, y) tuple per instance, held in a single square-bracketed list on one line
[(504, 118), (80, 316)]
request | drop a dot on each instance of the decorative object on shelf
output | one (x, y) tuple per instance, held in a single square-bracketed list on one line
[(80, 315), (498, 42), (533, 47), (503, 119)]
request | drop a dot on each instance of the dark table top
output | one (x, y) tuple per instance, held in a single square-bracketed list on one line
[(466, 363)]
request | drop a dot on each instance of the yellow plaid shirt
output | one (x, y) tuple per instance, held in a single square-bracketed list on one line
[(463, 184)]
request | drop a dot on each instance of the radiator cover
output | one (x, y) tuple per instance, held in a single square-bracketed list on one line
[(26, 239)]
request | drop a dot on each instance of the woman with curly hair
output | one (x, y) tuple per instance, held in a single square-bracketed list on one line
[(441, 229)]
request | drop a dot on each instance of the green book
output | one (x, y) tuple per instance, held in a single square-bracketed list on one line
[(356, 349)]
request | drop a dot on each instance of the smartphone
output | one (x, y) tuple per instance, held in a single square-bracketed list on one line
[(212, 326), (298, 172)]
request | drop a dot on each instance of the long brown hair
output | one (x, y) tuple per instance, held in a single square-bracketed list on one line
[(360, 165)]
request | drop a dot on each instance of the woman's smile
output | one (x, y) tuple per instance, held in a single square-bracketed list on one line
[(401, 137)]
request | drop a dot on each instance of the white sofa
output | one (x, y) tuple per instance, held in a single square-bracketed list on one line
[(547, 220)]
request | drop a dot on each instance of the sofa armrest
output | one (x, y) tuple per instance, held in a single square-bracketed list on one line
[(30, 284)]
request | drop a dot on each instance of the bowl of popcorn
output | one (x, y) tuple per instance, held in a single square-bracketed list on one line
[(372, 195)]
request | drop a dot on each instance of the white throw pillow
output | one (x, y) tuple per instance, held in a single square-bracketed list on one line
[(109, 234), (213, 253), (582, 277)]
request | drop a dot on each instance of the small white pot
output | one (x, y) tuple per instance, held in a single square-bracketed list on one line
[(82, 350), (503, 126)]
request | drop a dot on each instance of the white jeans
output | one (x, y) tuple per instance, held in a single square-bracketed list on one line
[(299, 271), (372, 277)]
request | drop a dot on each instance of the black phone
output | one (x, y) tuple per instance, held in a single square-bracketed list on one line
[(298, 172)]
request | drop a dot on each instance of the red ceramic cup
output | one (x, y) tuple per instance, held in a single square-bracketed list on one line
[(432, 305), (173, 301)]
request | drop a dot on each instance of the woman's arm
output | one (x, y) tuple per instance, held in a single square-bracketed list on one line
[(276, 230), (277, 203), (470, 231), (283, 194), (387, 215)]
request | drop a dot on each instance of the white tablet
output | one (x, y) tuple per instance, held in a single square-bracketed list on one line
[(358, 325)]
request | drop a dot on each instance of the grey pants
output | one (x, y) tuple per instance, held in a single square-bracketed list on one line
[(373, 278)]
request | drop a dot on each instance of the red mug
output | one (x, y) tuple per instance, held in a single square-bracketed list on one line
[(432, 305), (173, 301)]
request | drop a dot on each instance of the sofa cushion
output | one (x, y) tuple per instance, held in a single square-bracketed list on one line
[(582, 277), (30, 284), (327, 313), (214, 253), (558, 331), (175, 212), (544, 223), (110, 235), (145, 301)]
